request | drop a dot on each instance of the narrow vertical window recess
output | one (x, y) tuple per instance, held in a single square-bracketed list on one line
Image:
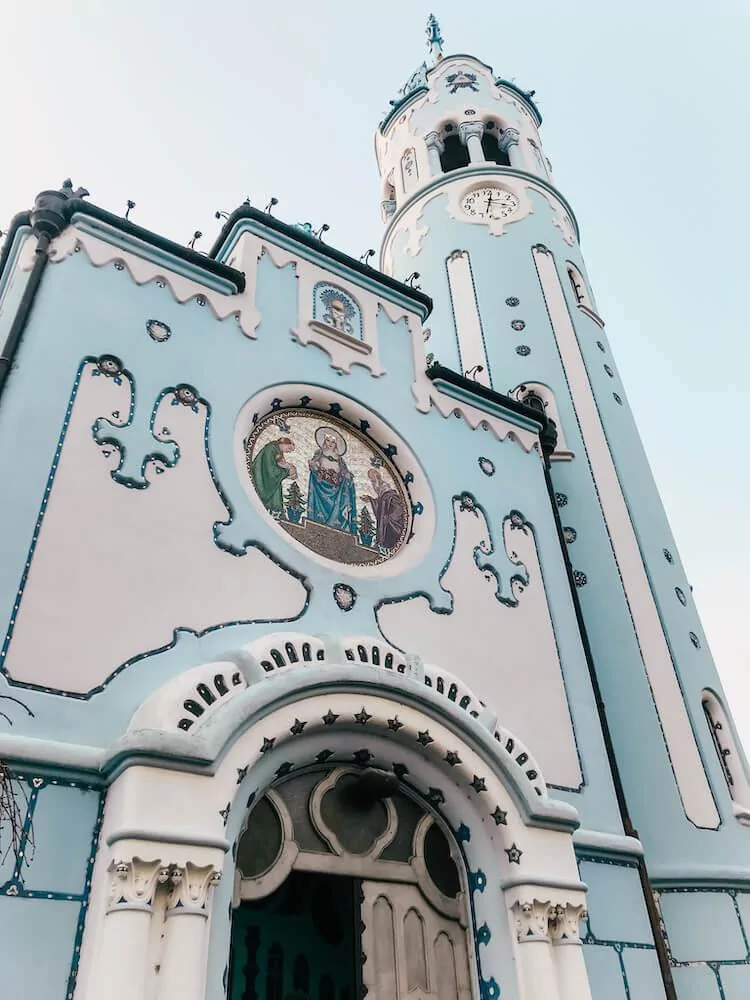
[(730, 757), (468, 322), (581, 294), (542, 398)]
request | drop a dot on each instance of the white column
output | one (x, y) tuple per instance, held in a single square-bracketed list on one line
[(509, 143), (472, 354), (538, 972), (435, 147), (572, 978), (679, 736), (120, 965), (471, 134), (183, 961)]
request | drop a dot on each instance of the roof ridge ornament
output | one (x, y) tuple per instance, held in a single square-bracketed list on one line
[(434, 39)]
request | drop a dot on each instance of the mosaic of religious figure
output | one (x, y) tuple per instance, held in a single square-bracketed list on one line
[(389, 510), (334, 307), (356, 509), (331, 496), (269, 470)]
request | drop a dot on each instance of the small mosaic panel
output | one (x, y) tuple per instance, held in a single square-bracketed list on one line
[(336, 308), (328, 487)]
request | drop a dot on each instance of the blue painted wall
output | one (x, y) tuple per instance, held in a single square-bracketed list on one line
[(44, 892)]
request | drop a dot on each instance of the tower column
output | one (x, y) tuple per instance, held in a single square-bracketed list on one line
[(564, 926), (119, 971), (435, 147), (510, 143), (471, 134), (183, 964)]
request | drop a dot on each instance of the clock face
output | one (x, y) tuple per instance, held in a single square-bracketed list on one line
[(489, 203)]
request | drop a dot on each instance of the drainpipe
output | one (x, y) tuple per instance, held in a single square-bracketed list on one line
[(548, 438), (48, 218)]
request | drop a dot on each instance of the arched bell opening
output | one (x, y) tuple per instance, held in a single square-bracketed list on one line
[(343, 881)]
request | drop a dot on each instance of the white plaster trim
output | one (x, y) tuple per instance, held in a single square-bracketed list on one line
[(731, 759), (687, 765), (258, 886), (562, 452), (354, 343), (329, 836), (454, 908), (466, 317), (560, 218), (337, 346), (591, 315), (143, 271), (166, 703), (379, 433), (610, 843)]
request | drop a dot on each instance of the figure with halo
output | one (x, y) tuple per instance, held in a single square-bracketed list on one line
[(331, 497)]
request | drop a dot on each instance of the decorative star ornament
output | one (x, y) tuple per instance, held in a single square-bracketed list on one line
[(514, 854)]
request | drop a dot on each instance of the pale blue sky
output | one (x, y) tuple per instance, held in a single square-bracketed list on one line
[(188, 107)]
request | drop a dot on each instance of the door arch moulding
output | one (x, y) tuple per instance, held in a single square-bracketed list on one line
[(178, 799)]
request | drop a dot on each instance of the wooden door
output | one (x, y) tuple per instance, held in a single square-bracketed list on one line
[(410, 951)]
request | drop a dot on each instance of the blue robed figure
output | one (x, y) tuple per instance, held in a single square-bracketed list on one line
[(331, 497)]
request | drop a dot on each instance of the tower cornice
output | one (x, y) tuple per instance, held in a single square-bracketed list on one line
[(421, 86), (469, 173)]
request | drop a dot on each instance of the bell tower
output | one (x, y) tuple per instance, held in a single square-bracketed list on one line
[(460, 148), (473, 216)]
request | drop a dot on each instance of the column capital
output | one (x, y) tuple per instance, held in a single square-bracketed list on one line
[(133, 883), (532, 919), (387, 209), (190, 888), (564, 923), (433, 141), (468, 129), (510, 137)]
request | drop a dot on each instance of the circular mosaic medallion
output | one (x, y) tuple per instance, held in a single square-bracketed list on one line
[(512, 301), (328, 486), (524, 350)]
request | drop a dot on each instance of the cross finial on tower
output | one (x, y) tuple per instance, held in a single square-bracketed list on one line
[(434, 39)]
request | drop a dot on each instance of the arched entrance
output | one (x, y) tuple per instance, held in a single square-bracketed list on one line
[(343, 880), (206, 749)]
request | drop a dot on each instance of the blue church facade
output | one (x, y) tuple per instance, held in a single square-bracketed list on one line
[(312, 577)]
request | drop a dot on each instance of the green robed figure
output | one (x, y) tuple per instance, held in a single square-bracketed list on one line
[(270, 468)]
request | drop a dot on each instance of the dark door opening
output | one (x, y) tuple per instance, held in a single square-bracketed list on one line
[(302, 942)]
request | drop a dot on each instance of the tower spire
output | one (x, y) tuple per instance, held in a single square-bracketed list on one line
[(434, 39)]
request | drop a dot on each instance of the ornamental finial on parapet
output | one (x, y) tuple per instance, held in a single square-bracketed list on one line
[(434, 39), (51, 210)]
